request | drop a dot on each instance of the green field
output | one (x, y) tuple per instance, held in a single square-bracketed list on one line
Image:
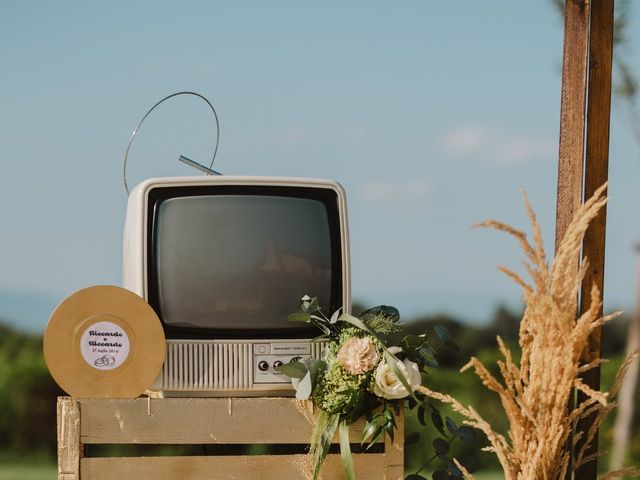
[(27, 471)]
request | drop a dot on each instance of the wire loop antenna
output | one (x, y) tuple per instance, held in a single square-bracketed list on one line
[(207, 170)]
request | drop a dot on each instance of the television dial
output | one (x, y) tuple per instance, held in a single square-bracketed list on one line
[(277, 364), (263, 366)]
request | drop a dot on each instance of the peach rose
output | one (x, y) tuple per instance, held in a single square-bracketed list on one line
[(358, 355)]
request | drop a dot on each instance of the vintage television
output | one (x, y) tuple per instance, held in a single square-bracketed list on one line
[(223, 261)]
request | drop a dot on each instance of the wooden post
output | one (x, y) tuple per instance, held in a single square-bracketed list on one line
[(584, 153), (69, 447)]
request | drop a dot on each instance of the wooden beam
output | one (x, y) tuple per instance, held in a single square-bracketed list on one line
[(595, 175), (584, 153), (572, 114), (575, 57)]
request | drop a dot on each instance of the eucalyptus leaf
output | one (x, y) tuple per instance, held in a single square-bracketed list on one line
[(440, 446), (315, 367), (466, 434), (452, 345), (451, 426), (471, 463), (436, 419), (431, 362), (310, 304), (421, 412), (442, 333), (303, 387), (356, 322), (454, 470), (412, 438), (336, 315), (299, 317), (440, 475), (293, 369)]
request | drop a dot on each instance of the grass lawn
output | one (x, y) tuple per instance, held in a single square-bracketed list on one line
[(46, 471), (27, 471)]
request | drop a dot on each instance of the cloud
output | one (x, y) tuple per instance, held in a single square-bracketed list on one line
[(401, 195), (496, 146), (467, 140)]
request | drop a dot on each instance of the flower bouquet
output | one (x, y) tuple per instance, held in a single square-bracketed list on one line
[(360, 375)]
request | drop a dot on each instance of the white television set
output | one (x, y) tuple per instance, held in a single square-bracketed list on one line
[(223, 261)]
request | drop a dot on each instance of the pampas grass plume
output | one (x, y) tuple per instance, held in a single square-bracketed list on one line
[(535, 393)]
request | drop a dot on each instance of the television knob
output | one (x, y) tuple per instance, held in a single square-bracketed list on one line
[(263, 366), (277, 364)]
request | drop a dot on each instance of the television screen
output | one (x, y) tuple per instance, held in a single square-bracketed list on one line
[(236, 261)]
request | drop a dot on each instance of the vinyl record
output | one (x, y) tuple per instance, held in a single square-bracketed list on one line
[(104, 342)]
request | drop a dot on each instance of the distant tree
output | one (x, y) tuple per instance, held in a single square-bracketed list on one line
[(27, 395)]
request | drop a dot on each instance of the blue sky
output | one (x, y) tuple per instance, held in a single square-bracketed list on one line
[(433, 115)]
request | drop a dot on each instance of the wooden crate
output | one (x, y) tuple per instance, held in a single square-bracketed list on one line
[(203, 421)]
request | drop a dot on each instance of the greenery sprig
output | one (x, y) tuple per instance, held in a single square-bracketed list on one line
[(362, 376)]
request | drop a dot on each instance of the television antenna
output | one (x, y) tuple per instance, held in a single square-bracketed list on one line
[(206, 170)]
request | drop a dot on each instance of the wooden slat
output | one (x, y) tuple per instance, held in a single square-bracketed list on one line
[(280, 467), (69, 445), (198, 421), (596, 174)]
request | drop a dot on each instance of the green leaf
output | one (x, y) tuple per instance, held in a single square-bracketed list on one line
[(466, 434), (381, 310), (452, 345), (471, 463), (315, 367), (454, 470), (440, 475), (356, 322), (451, 426), (421, 412), (442, 333), (325, 443), (310, 304), (436, 419), (369, 430), (415, 476), (303, 387), (293, 369), (440, 446), (345, 450), (336, 315), (299, 317), (412, 438)]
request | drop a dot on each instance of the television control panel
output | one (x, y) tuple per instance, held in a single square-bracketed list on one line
[(214, 368), (268, 356)]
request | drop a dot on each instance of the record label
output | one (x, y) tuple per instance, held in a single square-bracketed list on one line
[(104, 345), (104, 342)]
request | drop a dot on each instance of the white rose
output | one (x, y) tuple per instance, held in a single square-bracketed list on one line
[(388, 385), (358, 355)]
